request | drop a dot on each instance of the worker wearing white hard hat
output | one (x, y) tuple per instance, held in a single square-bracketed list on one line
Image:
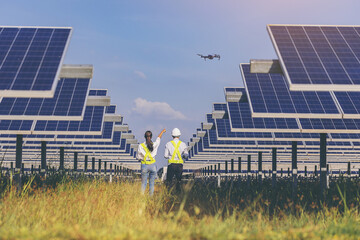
[(175, 153)]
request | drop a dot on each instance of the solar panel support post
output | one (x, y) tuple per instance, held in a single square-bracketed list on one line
[(315, 171), (105, 167), (260, 167), (18, 160), (75, 161), (274, 170), (99, 166), (43, 157), (215, 170), (32, 169), (93, 165), (294, 168), (219, 168), (19, 142), (85, 164), (226, 167), (232, 166), (111, 173), (239, 164), (305, 171), (61, 166), (211, 170), (323, 165), (248, 169), (349, 169)]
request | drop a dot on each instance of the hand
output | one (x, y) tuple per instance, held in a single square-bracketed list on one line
[(162, 132)]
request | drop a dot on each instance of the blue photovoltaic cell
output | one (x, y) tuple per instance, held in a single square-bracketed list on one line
[(15, 125), (318, 54), (329, 144), (224, 131), (69, 100), (269, 96), (213, 136), (349, 102), (342, 136), (275, 143), (299, 136), (30, 57), (240, 118), (93, 119), (110, 109), (107, 130), (97, 92), (331, 125)]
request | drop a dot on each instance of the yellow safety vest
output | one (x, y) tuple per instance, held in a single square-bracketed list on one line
[(148, 154), (176, 152)]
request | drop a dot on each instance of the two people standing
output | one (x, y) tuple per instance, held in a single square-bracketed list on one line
[(175, 152)]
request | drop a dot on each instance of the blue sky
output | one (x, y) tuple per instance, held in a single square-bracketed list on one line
[(144, 52)]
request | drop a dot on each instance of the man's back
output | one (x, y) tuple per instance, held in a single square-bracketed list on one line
[(170, 148)]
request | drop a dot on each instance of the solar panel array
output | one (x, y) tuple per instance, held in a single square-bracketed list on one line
[(318, 92), (39, 104)]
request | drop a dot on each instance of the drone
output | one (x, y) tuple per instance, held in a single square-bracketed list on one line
[(211, 57)]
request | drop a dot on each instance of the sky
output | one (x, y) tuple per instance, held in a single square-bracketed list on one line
[(145, 52)]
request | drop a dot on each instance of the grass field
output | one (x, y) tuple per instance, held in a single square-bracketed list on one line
[(94, 209)]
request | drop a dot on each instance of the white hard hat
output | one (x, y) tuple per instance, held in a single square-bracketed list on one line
[(176, 132)]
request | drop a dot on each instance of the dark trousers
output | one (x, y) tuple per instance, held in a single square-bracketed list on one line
[(174, 170)]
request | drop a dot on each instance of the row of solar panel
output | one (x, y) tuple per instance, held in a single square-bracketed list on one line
[(37, 103)]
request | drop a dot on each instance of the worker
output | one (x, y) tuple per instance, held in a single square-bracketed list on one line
[(146, 154), (175, 153)]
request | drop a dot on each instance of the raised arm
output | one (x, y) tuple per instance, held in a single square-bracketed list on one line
[(162, 132)]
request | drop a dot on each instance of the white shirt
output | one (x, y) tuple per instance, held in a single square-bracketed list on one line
[(141, 151), (169, 150)]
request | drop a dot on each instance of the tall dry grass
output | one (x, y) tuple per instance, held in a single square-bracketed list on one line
[(101, 210)]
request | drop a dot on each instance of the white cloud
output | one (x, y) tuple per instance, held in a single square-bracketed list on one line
[(160, 110), (140, 74)]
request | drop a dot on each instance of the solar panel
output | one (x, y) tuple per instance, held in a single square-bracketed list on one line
[(30, 60), (269, 96), (241, 120), (318, 57), (91, 125), (97, 92), (349, 103), (16, 126), (351, 126), (68, 103)]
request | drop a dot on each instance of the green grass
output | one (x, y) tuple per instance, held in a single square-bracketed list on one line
[(99, 210)]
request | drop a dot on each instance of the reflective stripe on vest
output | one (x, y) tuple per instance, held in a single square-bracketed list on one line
[(176, 152), (148, 154)]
